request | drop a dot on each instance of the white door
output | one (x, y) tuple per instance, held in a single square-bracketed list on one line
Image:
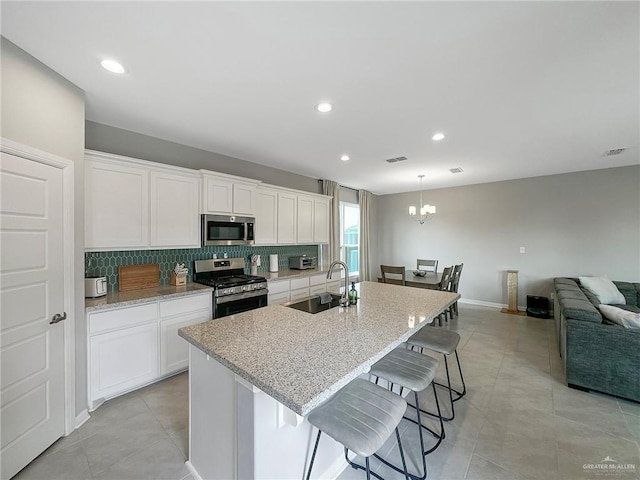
[(32, 382)]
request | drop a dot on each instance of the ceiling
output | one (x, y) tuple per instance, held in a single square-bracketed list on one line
[(520, 89)]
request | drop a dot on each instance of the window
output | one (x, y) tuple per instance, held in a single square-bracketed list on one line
[(349, 235)]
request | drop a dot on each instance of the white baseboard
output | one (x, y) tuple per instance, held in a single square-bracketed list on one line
[(488, 304), (192, 470), (82, 418), (334, 470)]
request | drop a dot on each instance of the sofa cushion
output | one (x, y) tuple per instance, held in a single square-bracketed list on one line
[(621, 316), (629, 291), (581, 310), (604, 289)]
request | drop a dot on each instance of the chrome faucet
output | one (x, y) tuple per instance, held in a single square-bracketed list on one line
[(344, 300)]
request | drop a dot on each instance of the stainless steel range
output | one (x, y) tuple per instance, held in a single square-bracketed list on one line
[(233, 291)]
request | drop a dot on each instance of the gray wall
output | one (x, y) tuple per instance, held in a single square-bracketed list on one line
[(105, 138), (585, 223), (43, 110)]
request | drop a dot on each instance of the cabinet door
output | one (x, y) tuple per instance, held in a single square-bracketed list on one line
[(321, 220), (123, 360), (266, 228), (244, 199), (287, 217), (218, 195), (175, 219), (305, 219), (175, 314), (116, 206), (299, 294), (278, 298), (174, 350)]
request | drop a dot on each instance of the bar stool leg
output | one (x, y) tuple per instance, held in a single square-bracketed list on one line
[(313, 456)]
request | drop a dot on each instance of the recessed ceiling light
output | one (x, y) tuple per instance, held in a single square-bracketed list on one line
[(437, 137), (344, 158), (112, 66), (324, 107)]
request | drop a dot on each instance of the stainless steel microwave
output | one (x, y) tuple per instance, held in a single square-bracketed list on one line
[(227, 230)]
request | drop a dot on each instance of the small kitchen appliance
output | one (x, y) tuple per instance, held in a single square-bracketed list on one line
[(233, 291), (302, 262), (95, 287)]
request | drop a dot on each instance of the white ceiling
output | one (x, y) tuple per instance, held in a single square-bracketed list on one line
[(521, 89)]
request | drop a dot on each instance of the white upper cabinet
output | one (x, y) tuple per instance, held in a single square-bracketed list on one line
[(228, 194), (305, 219), (321, 207), (287, 217), (116, 205), (218, 195), (244, 199), (133, 204), (174, 210), (266, 227)]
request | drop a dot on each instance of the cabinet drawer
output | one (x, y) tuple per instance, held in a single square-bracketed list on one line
[(278, 298), (278, 287), (334, 286), (318, 279), (183, 305), (299, 293), (317, 289), (114, 319), (302, 282)]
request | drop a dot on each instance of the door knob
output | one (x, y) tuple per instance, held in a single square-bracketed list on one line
[(58, 318)]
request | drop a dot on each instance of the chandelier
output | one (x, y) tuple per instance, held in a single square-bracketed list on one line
[(426, 210)]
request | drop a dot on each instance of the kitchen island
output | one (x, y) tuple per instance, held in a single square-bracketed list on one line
[(255, 375)]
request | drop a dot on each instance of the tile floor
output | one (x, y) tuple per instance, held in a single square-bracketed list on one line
[(518, 421)]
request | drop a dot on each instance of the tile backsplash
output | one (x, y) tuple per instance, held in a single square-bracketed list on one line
[(99, 264)]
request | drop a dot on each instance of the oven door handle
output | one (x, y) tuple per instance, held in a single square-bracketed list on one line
[(241, 296)]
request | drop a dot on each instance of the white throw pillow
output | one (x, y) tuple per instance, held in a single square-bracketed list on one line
[(620, 316), (604, 289)]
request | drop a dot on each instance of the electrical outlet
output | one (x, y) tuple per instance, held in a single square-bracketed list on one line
[(523, 250)]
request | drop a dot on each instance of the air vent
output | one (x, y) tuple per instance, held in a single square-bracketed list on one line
[(396, 159), (614, 151), (456, 170)]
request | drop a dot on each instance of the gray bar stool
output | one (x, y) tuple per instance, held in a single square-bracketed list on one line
[(445, 342), (414, 371), (361, 416)]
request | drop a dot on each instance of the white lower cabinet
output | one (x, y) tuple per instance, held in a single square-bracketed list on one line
[(278, 292), (299, 288), (175, 314), (123, 359), (133, 346), (283, 291)]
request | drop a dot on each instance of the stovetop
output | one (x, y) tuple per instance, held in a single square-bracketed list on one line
[(227, 276), (227, 280)]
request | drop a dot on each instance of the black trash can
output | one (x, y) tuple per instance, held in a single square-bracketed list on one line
[(537, 307)]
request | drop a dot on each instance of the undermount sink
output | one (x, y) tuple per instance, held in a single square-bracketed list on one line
[(315, 303)]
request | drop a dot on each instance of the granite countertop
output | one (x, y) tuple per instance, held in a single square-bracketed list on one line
[(301, 359), (146, 295)]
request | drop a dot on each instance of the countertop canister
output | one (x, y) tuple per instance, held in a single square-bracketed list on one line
[(273, 263)]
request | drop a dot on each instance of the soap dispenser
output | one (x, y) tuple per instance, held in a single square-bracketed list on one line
[(353, 294)]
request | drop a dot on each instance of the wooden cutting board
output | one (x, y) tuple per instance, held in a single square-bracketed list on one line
[(136, 277)]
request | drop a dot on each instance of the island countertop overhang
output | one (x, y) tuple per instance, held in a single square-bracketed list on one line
[(301, 359)]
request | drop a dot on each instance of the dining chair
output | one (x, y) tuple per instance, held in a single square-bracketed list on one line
[(444, 285), (453, 287), (393, 270), (431, 265)]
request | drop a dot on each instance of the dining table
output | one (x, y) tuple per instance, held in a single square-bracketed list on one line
[(429, 280)]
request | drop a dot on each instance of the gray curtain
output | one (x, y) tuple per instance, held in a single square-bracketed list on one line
[(333, 189), (364, 199)]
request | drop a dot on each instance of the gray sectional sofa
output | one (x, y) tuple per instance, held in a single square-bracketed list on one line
[(597, 354)]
